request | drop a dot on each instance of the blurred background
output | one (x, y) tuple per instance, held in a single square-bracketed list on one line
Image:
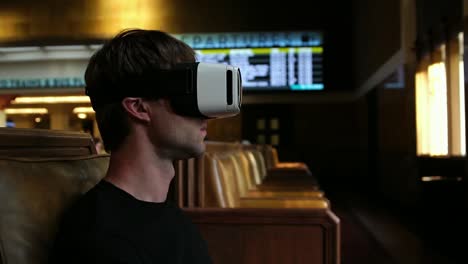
[(379, 116)]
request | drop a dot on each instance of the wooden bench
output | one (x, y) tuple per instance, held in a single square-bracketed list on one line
[(29, 143), (276, 236), (43, 171), (229, 174), (276, 167), (245, 224)]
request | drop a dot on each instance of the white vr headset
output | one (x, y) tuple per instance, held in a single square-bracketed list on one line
[(205, 90)]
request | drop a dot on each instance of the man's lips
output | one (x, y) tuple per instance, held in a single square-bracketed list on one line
[(204, 127)]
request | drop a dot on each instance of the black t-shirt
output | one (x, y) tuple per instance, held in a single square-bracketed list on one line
[(108, 225)]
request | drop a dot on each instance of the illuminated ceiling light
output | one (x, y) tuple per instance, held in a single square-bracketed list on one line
[(65, 48), (51, 100), (95, 46), (461, 86), (422, 118), (37, 119), (19, 49), (23, 111), (438, 109), (40, 53), (86, 110), (82, 116), (431, 178), (439, 178)]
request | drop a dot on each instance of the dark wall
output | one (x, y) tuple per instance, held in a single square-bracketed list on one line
[(396, 175), (332, 139), (436, 21), (376, 35)]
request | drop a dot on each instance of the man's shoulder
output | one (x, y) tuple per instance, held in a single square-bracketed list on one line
[(85, 207), (85, 244)]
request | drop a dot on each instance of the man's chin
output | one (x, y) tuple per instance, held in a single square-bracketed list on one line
[(199, 152), (193, 152)]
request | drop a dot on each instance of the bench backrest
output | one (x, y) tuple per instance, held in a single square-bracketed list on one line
[(35, 190), (19, 142), (41, 173), (34, 194)]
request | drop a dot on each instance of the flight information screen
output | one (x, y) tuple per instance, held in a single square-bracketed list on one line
[(267, 60), (272, 68)]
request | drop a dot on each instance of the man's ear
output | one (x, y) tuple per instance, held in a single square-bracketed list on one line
[(136, 108)]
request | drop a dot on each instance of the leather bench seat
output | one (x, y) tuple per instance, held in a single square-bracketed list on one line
[(35, 190), (232, 181), (34, 194)]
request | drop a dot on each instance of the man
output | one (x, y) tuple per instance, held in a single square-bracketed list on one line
[(126, 218)]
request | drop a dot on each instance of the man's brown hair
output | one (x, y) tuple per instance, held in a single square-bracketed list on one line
[(126, 57)]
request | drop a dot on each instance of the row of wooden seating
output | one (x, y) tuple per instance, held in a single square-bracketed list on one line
[(43, 171), (232, 175), (251, 204)]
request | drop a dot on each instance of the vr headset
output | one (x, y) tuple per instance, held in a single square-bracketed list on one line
[(204, 90)]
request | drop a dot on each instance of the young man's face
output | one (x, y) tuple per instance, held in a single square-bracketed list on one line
[(175, 136)]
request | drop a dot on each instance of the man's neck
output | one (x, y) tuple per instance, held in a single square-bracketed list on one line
[(137, 170)]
